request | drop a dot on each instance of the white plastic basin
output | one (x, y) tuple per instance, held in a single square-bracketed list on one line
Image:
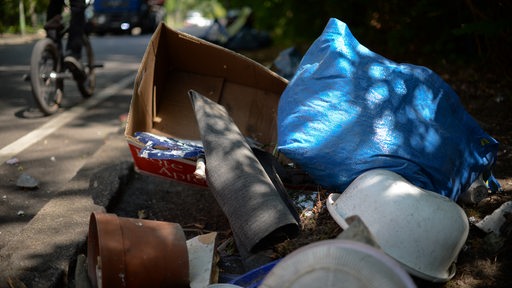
[(422, 230)]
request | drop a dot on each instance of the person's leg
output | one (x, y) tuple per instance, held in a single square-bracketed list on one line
[(53, 15), (74, 46), (54, 9), (76, 28)]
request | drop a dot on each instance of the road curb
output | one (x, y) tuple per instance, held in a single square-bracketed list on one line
[(15, 39), (46, 248)]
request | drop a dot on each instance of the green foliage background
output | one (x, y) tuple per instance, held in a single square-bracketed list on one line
[(10, 17), (405, 30)]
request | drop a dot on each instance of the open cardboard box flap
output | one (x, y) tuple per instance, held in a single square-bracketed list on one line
[(173, 64)]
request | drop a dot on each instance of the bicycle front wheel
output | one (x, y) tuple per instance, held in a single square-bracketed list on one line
[(45, 65), (87, 87)]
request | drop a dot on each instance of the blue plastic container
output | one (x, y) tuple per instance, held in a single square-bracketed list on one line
[(253, 278)]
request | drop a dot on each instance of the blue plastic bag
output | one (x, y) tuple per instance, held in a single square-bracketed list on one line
[(348, 110)]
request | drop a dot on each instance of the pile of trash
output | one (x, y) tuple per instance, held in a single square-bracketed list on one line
[(236, 32), (390, 142)]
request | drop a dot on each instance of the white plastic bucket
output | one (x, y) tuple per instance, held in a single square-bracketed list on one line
[(422, 230)]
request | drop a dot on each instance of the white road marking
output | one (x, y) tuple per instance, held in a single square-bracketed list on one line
[(61, 119), (15, 68)]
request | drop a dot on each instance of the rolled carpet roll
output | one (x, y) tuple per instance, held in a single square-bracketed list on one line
[(258, 216)]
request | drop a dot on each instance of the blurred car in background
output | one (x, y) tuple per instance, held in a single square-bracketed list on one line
[(128, 16)]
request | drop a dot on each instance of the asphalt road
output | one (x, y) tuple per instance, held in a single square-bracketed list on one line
[(53, 149)]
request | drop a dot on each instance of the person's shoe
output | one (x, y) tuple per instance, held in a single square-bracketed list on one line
[(75, 66)]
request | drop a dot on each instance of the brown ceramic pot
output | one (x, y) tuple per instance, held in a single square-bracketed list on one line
[(129, 252)]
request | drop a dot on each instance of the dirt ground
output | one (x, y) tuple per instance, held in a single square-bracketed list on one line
[(482, 262)]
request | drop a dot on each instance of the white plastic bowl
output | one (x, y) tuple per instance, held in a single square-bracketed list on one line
[(422, 230), (337, 263)]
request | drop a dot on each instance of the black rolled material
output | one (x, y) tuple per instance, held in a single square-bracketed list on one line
[(271, 167), (258, 216)]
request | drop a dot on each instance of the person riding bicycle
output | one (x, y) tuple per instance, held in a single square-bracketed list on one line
[(75, 33)]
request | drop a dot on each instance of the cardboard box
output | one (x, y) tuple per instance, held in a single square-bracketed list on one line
[(176, 62)]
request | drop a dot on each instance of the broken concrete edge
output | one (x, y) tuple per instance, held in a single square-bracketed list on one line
[(45, 252)]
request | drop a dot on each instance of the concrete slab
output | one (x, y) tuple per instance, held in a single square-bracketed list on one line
[(42, 253)]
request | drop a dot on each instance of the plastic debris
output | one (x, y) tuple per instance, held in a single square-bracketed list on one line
[(494, 222), (159, 147), (13, 161), (27, 181), (477, 192), (201, 253), (200, 171), (287, 62)]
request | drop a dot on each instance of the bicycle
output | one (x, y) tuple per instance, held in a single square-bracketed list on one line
[(48, 72)]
